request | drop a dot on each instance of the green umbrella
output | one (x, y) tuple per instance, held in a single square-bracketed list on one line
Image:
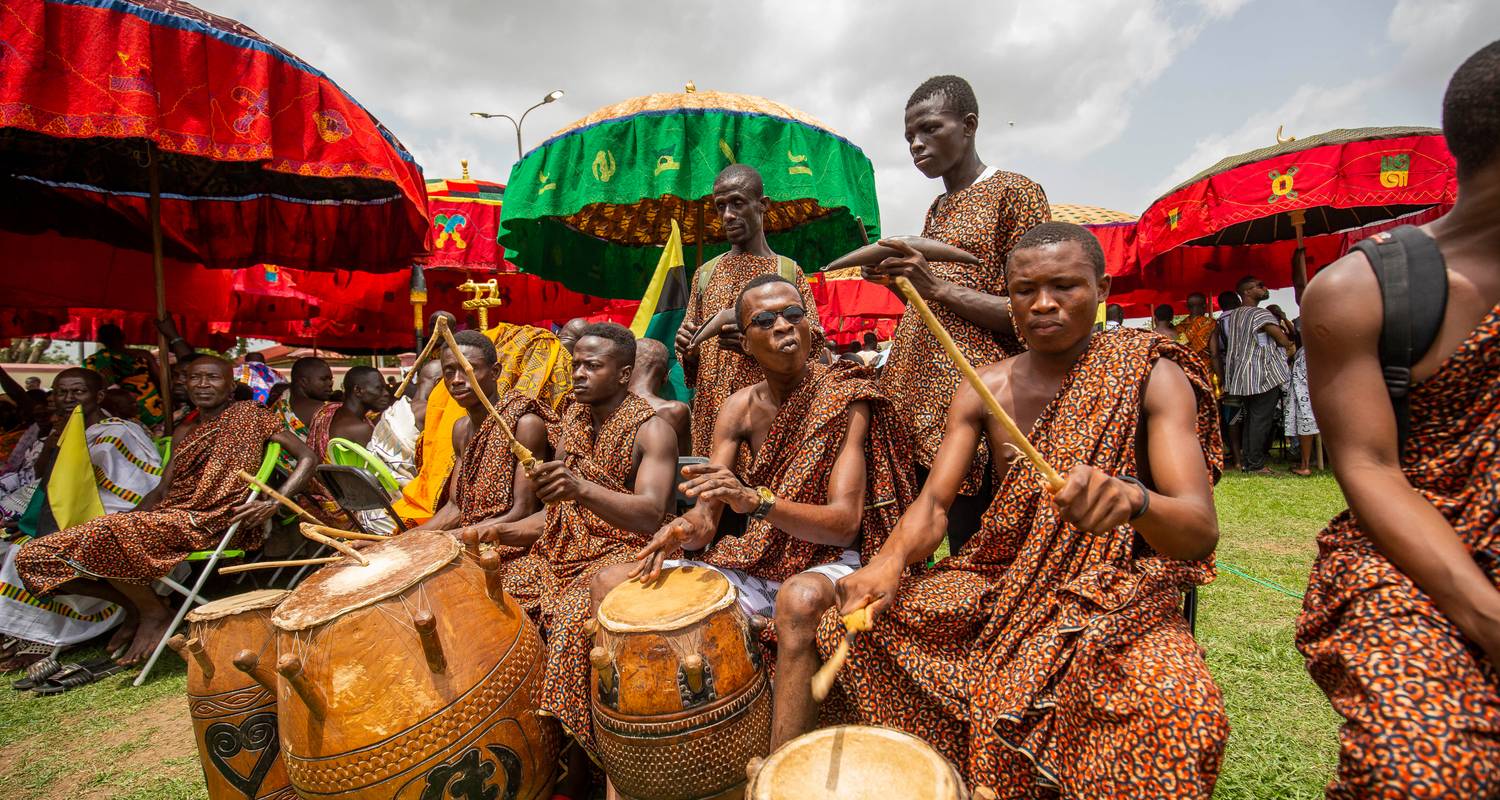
[(592, 206)]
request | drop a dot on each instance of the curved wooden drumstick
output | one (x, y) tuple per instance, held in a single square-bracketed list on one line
[(338, 533), (524, 455), (277, 496), (822, 681), (442, 322), (1054, 480), (329, 541), (301, 562)]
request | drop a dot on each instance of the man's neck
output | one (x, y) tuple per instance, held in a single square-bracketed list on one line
[(354, 407), (964, 174), (647, 385), (1470, 227), (781, 386), (1056, 365), (757, 247), (213, 412), (603, 409), (94, 417)]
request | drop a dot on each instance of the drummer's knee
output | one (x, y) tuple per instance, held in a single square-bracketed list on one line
[(608, 578), (801, 603)]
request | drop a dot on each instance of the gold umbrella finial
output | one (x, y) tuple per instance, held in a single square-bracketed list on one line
[(1283, 139), (690, 87), (464, 162)]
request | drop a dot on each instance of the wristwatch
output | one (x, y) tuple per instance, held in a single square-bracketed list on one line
[(767, 502)]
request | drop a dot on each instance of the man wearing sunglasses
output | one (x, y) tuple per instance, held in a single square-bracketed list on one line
[(814, 457), (718, 367)]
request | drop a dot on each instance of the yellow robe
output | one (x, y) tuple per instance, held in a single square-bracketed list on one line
[(532, 361)]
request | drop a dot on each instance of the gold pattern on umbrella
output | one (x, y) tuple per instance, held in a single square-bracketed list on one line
[(648, 222)]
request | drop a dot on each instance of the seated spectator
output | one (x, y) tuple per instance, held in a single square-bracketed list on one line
[(646, 380), (1114, 317), (399, 430), (365, 394), (1161, 323)]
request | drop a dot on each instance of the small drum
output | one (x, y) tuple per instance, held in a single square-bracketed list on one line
[(234, 715), (855, 762), (680, 698), (412, 677)]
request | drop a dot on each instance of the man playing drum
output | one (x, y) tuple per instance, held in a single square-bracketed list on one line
[(825, 475), (1052, 651)]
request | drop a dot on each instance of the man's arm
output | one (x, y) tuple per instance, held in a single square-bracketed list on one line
[(988, 311), (691, 322), (254, 512), (642, 511), (1216, 352), (1352, 404), (14, 390), (1278, 334), (352, 428), (531, 432), (178, 345)]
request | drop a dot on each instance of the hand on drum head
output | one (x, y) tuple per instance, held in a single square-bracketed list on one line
[(719, 484), (871, 587), (681, 533), (555, 482)]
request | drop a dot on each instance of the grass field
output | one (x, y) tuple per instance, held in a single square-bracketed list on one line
[(110, 740)]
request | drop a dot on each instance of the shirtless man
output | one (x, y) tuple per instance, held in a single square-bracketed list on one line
[(365, 391), (650, 374)]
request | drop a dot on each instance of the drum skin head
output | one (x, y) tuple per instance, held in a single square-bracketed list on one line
[(395, 566), (682, 596), (856, 762), (237, 604)]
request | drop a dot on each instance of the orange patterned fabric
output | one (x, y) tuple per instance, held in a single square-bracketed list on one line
[(141, 546), (487, 468), (1420, 700), (320, 430), (1199, 332), (796, 460), (985, 219), (1041, 656), (720, 373)]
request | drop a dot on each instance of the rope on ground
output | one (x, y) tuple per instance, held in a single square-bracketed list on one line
[(1233, 570)]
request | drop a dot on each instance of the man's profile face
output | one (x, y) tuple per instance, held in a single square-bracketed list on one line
[(598, 373), (741, 210), (33, 383), (318, 383), (1054, 295), (458, 383), (1253, 290), (375, 394), (936, 136), (783, 347), (70, 392), (209, 383)]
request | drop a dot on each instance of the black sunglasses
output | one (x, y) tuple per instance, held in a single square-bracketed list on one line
[(765, 319)]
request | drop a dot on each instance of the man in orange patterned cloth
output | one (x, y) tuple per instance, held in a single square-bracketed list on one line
[(983, 211), (1051, 655), (718, 367)]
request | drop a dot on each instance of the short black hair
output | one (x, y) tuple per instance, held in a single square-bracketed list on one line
[(357, 375), (743, 172), (755, 283), (1229, 301), (90, 378), (1049, 233), (478, 341), (958, 95), (1200, 295), (1240, 284), (1163, 312), (110, 333), (1471, 110), (622, 341), (305, 365)]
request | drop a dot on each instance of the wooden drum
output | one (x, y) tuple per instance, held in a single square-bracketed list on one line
[(856, 762), (680, 697), (234, 715), (412, 677)]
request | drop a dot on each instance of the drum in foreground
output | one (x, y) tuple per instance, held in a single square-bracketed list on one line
[(855, 762), (234, 714), (680, 698), (406, 679)]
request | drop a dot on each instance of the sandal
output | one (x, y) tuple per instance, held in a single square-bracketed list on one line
[(37, 673), (73, 676)]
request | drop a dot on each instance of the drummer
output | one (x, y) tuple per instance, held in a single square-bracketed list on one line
[(1052, 650), (486, 493), (813, 457)]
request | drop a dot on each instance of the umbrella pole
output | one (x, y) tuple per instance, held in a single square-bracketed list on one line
[(163, 354), (702, 230)]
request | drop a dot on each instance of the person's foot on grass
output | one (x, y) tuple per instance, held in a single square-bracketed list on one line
[(1303, 471), (153, 623), (124, 635), (1261, 471)]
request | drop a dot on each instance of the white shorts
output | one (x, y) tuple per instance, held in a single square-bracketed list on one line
[(758, 595)]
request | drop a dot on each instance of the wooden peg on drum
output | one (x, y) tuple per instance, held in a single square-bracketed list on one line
[(494, 578), (604, 669), (248, 662), (855, 621), (290, 668)]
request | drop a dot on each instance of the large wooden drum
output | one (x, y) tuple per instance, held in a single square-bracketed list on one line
[(855, 762), (234, 715), (405, 679), (680, 698)]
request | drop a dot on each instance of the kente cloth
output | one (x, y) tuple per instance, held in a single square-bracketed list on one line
[(1420, 700), (127, 465), (141, 546), (260, 377), (1042, 656), (1199, 332), (132, 373), (487, 468), (532, 362), (797, 459), (9, 440), (320, 430), (986, 219), (720, 373), (552, 581)]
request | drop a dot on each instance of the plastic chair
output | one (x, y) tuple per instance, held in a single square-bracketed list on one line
[(356, 490), (164, 448), (345, 453), (210, 559)]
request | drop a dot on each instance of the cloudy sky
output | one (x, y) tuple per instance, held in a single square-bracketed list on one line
[(1113, 101)]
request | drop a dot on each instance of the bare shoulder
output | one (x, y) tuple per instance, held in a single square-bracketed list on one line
[(1168, 387), (1342, 302)]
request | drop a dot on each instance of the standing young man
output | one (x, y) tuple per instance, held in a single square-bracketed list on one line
[(984, 211), (1257, 351)]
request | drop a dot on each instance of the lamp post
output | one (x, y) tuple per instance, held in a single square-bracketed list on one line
[(552, 96)]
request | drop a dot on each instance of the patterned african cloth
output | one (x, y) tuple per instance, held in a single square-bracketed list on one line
[(320, 430), (986, 219), (532, 362), (132, 373), (1042, 656), (141, 546), (552, 581), (720, 373), (260, 377), (1199, 332), (1420, 700), (127, 465), (796, 460), (316, 434), (487, 469)]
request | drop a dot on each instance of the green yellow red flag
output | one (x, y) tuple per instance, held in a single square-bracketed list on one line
[(662, 308), (72, 491)]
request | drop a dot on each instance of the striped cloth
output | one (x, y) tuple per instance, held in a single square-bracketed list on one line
[(127, 465), (1253, 363)]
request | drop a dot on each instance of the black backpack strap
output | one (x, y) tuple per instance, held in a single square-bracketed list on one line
[(1414, 293)]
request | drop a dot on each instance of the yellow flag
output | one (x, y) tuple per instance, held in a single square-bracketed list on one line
[(651, 301), (72, 491)]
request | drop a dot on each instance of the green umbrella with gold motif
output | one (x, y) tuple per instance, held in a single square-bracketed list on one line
[(592, 206)]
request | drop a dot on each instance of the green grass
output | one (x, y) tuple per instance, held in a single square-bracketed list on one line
[(113, 740)]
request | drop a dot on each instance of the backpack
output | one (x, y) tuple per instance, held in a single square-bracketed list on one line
[(789, 270), (1414, 294)]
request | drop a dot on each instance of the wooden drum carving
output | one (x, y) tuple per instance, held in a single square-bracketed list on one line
[(408, 679), (231, 696), (680, 697), (856, 762)]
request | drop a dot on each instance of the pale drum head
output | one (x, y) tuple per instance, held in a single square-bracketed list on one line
[(856, 762), (237, 604), (681, 597), (395, 566)]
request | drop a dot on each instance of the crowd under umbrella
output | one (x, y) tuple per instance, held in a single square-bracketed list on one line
[(593, 204), (138, 136)]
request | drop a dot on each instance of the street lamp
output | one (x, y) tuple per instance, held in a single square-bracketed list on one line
[(552, 96)]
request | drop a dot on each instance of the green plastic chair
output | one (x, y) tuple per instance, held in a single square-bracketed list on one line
[(345, 453), (164, 448)]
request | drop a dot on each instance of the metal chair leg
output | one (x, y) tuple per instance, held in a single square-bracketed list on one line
[(1190, 610), (191, 598)]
